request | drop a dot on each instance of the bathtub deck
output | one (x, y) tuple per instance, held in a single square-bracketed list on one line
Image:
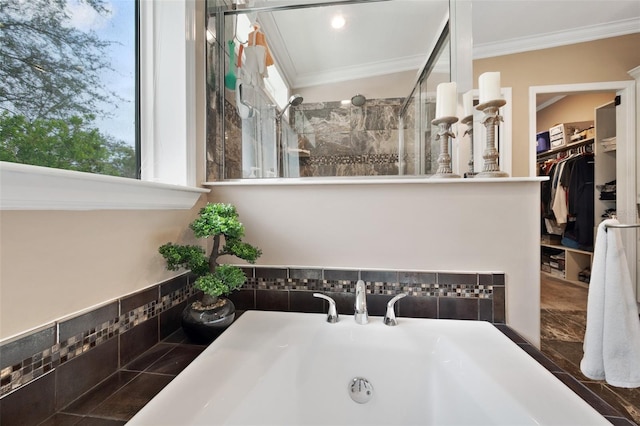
[(118, 398), (123, 394)]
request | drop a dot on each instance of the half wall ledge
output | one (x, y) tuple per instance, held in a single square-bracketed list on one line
[(373, 180)]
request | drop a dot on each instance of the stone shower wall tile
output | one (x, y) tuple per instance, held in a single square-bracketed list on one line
[(345, 140)]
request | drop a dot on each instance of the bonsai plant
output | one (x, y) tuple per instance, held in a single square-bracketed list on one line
[(215, 280)]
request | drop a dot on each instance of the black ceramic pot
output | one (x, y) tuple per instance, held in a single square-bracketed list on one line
[(206, 319)]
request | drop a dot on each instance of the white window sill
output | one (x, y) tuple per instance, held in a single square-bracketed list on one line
[(25, 187)]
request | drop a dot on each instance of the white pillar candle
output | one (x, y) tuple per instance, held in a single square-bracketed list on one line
[(489, 85), (467, 103), (446, 100)]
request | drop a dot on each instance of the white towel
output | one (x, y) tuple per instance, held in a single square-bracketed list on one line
[(612, 339)]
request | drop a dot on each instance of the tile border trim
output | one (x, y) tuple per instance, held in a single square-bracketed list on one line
[(52, 351), (20, 373)]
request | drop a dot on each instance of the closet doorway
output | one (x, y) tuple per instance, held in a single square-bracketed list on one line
[(619, 112), (563, 293)]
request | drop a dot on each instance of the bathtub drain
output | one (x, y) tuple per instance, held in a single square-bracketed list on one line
[(360, 390)]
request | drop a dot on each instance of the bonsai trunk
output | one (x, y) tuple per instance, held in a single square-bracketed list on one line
[(208, 300), (213, 264)]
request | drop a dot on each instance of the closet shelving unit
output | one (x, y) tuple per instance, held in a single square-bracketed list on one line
[(551, 152), (605, 170), (576, 260)]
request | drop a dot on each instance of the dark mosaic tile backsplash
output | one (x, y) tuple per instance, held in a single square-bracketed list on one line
[(137, 322), (29, 357)]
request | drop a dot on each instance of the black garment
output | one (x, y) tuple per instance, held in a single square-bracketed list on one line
[(580, 200)]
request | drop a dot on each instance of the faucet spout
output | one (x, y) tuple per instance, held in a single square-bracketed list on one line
[(361, 314)]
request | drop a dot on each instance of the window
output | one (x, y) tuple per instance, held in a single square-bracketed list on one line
[(68, 85), (169, 114)]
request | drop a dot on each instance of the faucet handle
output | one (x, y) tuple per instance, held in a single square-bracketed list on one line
[(390, 316), (332, 314)]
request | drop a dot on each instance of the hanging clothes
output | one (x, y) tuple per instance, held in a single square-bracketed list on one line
[(559, 206), (567, 199), (581, 199)]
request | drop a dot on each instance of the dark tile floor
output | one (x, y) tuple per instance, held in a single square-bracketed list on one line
[(115, 400), (563, 321)]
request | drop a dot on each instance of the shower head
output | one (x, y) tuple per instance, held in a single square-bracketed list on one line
[(294, 100), (358, 100)]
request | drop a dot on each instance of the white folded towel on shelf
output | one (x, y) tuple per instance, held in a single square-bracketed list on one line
[(612, 339)]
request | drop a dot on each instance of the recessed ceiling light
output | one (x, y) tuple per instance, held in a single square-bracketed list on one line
[(338, 22)]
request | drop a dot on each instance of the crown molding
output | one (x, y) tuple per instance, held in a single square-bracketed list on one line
[(557, 38), (371, 69), (550, 102)]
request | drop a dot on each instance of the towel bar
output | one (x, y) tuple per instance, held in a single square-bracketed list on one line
[(621, 225)]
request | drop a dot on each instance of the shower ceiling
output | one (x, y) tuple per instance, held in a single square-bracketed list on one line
[(311, 52), (392, 36)]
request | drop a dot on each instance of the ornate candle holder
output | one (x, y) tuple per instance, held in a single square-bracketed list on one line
[(468, 120), (491, 120), (444, 134)]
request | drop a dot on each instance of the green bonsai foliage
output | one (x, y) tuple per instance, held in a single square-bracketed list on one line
[(215, 220)]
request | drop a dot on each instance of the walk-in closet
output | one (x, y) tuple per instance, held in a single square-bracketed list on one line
[(576, 148)]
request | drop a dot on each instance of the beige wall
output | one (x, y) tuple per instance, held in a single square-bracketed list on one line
[(570, 109), (464, 225), (55, 263), (596, 61)]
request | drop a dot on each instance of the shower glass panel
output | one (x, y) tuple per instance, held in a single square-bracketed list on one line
[(418, 145), (292, 155), (409, 138), (325, 135), (259, 153)]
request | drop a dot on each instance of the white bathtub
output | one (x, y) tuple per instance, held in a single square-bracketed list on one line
[(280, 368)]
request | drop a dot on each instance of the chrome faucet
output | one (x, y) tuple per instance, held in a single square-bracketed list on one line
[(390, 316), (361, 315), (332, 314)]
